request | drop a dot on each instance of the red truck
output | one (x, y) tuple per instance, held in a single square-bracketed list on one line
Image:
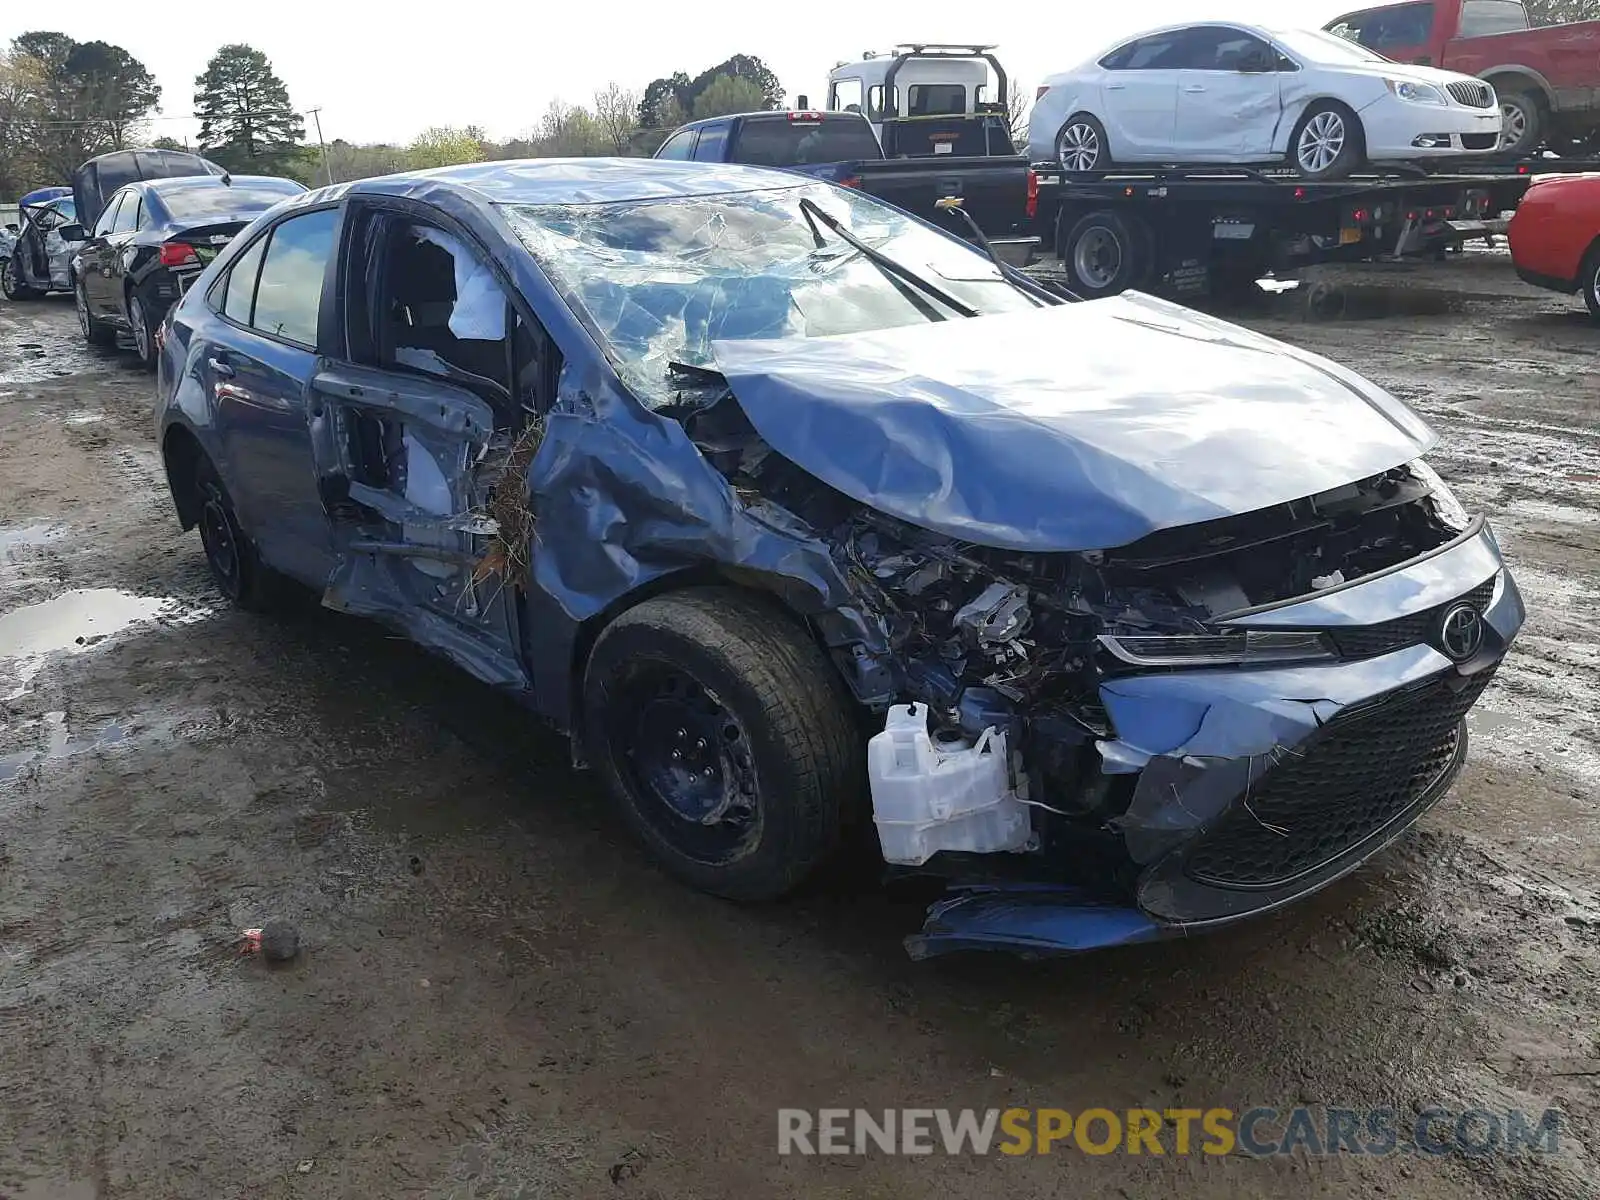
[(1548, 79)]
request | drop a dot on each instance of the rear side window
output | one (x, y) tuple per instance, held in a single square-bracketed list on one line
[(679, 145), (712, 144), (936, 99), (1159, 51), (1481, 18), (785, 143), (109, 217), (240, 293), (289, 291), (127, 218)]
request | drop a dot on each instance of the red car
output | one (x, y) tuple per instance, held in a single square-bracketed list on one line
[(1555, 237)]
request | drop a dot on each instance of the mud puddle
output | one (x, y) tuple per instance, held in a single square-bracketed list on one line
[(26, 537), (40, 348), (71, 623)]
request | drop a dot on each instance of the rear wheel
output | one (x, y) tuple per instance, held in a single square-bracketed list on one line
[(238, 570), (144, 334), (1106, 253), (1081, 145), (1328, 142), (727, 739), (95, 332), (1522, 123)]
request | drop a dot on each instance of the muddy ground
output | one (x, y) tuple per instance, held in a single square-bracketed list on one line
[(499, 996)]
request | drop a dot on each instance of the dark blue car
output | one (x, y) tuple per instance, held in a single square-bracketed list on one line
[(1150, 622)]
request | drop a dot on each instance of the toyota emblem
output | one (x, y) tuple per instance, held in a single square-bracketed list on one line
[(1461, 632)]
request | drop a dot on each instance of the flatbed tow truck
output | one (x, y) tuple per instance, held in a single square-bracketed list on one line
[(1193, 232)]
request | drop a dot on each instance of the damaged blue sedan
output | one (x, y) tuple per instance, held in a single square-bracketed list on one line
[(797, 513)]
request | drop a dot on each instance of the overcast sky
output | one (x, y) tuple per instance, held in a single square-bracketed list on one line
[(384, 77)]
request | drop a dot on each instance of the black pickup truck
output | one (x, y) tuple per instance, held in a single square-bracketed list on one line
[(996, 189)]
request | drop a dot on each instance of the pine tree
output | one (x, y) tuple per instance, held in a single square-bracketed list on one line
[(246, 121)]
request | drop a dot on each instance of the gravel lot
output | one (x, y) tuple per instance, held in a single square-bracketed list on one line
[(499, 996)]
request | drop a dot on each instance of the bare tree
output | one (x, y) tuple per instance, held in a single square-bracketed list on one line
[(616, 110), (1017, 108)]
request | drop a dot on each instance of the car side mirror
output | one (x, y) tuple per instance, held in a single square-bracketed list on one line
[(72, 233)]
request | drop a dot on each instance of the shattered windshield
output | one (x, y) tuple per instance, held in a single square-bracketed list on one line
[(659, 280)]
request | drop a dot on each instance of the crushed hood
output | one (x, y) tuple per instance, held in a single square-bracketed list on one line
[(1074, 427)]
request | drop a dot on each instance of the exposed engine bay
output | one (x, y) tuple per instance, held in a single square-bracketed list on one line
[(1021, 643)]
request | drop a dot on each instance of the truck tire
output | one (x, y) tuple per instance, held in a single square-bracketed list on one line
[(1522, 124), (1328, 142), (1081, 144), (1106, 253), (727, 739)]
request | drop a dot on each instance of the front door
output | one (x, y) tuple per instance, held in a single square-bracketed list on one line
[(95, 257), (421, 439), (1228, 95), (1140, 96), (260, 381)]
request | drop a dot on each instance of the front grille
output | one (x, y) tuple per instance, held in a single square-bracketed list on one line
[(1473, 95), (1349, 782), (1480, 141), (1369, 641)]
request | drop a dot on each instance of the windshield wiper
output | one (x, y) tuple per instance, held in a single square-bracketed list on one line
[(809, 209)]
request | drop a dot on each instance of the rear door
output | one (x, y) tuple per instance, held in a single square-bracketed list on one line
[(259, 376), (1228, 95), (713, 143), (422, 434), (1139, 92)]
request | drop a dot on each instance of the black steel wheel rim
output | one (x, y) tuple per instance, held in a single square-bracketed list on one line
[(687, 761), (220, 541)]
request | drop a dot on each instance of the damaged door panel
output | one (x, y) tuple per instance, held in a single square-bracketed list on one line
[(737, 476)]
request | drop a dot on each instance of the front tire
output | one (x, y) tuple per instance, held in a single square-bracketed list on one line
[(95, 332), (1082, 146), (1328, 142), (1522, 125), (727, 739), (1589, 281), (13, 288)]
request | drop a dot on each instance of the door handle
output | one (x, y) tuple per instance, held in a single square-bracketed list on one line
[(1195, 87), (220, 368), (1115, 87)]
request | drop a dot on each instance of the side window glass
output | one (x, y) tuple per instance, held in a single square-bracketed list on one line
[(1155, 53), (240, 295), (877, 110), (713, 143), (289, 294), (1218, 48), (444, 313), (679, 145), (846, 95), (128, 214), (109, 217)]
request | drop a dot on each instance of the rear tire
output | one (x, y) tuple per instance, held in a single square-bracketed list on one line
[(1106, 253), (727, 739), (1522, 124), (143, 330), (1081, 145), (1328, 142), (242, 577)]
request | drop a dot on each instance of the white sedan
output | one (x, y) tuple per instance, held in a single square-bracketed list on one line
[(1219, 93)]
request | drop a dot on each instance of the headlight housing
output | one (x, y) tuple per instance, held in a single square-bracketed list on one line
[(1245, 647), (1445, 505), (1416, 93)]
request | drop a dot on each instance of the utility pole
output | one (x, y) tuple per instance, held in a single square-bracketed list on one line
[(327, 170)]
